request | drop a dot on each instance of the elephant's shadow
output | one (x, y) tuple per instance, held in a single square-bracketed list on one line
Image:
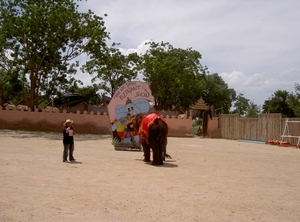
[(167, 163)]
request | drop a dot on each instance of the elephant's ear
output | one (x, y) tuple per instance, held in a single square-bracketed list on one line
[(119, 108), (120, 112)]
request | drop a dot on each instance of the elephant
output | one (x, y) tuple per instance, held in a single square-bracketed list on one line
[(153, 131)]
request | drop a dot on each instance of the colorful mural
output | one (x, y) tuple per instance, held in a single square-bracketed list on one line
[(131, 98)]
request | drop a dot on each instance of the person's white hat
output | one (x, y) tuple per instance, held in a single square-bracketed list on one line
[(68, 121)]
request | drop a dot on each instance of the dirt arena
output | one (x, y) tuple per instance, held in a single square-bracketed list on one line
[(207, 180)]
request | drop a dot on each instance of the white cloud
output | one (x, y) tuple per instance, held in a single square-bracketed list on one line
[(257, 87), (141, 48)]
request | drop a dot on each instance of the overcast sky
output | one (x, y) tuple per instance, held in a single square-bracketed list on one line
[(254, 45)]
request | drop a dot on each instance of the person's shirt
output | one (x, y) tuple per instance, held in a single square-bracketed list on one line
[(68, 133)]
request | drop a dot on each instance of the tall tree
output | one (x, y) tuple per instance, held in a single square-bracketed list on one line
[(9, 87), (253, 110), (217, 93), (172, 75), (40, 40), (110, 68), (279, 103), (241, 105), (294, 100)]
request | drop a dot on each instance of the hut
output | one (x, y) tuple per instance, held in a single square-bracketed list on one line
[(203, 111)]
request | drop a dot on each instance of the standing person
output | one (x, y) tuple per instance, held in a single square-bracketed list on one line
[(68, 140)]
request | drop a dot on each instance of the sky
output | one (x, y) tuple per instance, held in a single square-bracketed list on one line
[(254, 45)]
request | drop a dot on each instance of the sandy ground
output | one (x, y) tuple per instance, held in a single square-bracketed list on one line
[(207, 180)]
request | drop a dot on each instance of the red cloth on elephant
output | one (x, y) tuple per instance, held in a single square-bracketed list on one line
[(146, 122)]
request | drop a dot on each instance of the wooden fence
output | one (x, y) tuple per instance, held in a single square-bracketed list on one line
[(265, 127)]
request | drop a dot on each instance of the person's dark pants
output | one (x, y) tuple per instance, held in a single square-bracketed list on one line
[(68, 149)]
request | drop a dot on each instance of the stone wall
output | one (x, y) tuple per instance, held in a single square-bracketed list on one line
[(213, 129), (86, 122)]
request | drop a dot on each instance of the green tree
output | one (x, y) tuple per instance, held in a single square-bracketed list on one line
[(9, 87), (217, 93), (40, 41), (279, 103), (241, 105), (172, 74), (253, 110), (294, 100), (110, 68)]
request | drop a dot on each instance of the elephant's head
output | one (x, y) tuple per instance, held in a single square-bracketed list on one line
[(136, 120)]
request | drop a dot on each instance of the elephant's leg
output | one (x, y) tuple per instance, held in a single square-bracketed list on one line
[(157, 152), (146, 149), (155, 143), (156, 160)]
